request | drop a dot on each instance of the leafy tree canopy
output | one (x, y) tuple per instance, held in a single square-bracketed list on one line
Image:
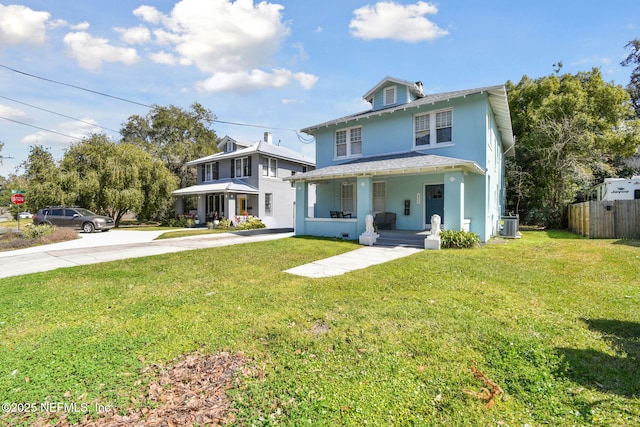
[(634, 82), (174, 135), (571, 130), (116, 178)]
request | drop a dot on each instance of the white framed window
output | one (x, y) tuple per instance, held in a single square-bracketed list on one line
[(390, 96), (269, 167), (268, 204), (440, 121), (347, 197), (349, 142), (242, 167), (229, 147), (444, 121), (379, 196), (211, 171)]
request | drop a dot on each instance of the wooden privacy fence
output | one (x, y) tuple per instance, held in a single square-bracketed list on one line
[(618, 219)]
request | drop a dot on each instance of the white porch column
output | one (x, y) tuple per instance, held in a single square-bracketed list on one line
[(202, 208)]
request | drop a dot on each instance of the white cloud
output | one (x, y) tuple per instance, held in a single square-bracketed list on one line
[(231, 41), (390, 20), (19, 24), (91, 52), (164, 58), (134, 35), (83, 26), (307, 81), (242, 81), (66, 130), (11, 113)]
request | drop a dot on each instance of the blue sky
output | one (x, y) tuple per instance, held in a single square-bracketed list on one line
[(284, 65)]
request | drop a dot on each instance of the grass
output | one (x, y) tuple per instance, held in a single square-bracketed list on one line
[(553, 319)]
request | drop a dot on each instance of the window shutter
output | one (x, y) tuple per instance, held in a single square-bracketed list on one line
[(233, 168), (248, 172), (202, 173)]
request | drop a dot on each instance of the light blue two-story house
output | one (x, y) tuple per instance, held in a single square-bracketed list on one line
[(410, 156)]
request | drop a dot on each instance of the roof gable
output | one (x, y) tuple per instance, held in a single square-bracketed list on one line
[(391, 91)]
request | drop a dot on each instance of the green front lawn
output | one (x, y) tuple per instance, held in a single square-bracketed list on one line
[(552, 319)]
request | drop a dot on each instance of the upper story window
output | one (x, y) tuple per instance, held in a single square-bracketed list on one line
[(269, 167), (442, 124), (211, 171), (229, 147), (242, 167), (390, 96), (349, 142)]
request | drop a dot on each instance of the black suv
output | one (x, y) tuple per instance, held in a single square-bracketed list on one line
[(63, 216)]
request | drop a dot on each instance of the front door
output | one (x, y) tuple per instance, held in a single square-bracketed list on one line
[(434, 202), (242, 205)]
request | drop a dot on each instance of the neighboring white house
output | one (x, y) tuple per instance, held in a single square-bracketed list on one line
[(410, 156), (617, 189), (246, 178)]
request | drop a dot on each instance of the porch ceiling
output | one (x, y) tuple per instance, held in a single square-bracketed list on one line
[(221, 186), (398, 164)]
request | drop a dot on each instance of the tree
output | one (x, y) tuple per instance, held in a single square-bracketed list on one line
[(46, 183), (570, 129), (117, 178), (173, 135), (634, 83)]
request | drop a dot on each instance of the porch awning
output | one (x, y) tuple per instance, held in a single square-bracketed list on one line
[(221, 186), (413, 162)]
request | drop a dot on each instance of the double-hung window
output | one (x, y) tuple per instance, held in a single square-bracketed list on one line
[(211, 171), (349, 142), (243, 167), (347, 200), (269, 167), (379, 196), (440, 121)]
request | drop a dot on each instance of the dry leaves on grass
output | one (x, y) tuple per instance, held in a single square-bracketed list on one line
[(485, 393), (193, 392)]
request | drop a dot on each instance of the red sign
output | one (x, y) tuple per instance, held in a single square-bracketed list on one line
[(17, 199)]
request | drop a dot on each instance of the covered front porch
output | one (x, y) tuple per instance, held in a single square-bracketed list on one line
[(226, 199), (410, 188)]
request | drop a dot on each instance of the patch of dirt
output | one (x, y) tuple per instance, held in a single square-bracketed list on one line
[(192, 392), (320, 328)]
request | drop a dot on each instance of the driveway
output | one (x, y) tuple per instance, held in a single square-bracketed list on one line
[(115, 245)]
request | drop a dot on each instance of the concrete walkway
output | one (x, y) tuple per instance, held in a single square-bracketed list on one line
[(116, 245), (353, 260), (122, 244)]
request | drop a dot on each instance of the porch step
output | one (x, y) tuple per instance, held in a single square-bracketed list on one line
[(410, 239)]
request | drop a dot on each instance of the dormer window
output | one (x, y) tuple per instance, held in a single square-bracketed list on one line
[(390, 96), (229, 147)]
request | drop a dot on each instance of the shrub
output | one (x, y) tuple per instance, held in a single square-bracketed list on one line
[(37, 231), (452, 239), (251, 223)]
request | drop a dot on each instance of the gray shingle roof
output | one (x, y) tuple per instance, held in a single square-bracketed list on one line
[(497, 98), (393, 164)]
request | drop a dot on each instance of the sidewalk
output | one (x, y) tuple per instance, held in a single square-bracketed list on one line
[(116, 245), (123, 244), (353, 260)]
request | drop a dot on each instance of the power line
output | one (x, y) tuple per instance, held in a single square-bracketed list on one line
[(38, 127), (300, 138), (76, 87), (59, 114)]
